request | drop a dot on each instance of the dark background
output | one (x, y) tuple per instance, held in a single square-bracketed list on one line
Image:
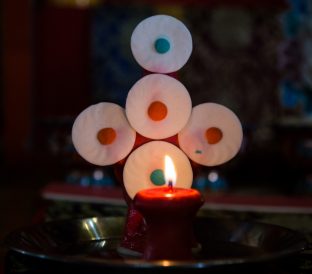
[(58, 57)]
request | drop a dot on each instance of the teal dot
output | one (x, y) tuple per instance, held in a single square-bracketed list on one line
[(162, 45), (157, 177)]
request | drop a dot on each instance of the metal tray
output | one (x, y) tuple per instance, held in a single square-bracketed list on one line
[(92, 244)]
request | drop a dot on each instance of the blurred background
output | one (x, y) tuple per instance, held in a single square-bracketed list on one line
[(60, 56)]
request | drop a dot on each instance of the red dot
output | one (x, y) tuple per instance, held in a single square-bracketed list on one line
[(157, 111), (213, 135), (106, 136)]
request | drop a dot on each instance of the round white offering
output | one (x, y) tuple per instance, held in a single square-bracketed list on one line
[(144, 167), (158, 106), (212, 136), (161, 43), (102, 135)]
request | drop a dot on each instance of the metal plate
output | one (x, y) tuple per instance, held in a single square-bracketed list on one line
[(93, 242)]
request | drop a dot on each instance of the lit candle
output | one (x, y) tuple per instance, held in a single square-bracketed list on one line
[(169, 213)]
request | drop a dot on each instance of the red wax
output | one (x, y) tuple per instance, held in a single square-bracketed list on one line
[(133, 240), (169, 214)]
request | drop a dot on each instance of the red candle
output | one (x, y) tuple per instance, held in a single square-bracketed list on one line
[(169, 213)]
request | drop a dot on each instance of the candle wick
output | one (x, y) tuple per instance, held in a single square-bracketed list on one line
[(170, 185)]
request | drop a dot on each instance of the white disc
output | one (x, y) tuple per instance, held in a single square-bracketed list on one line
[(158, 106), (144, 167), (212, 136), (161, 44), (102, 135)]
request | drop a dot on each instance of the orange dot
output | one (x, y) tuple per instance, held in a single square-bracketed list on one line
[(213, 135), (157, 111), (106, 136)]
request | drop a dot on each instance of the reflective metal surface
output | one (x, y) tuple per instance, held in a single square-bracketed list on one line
[(93, 242)]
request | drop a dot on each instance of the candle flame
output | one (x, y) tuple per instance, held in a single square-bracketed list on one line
[(170, 173)]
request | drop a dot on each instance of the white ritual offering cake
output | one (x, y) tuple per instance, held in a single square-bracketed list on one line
[(102, 135), (157, 107), (212, 136), (144, 167), (161, 43)]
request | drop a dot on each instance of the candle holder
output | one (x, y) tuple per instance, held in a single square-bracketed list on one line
[(89, 246)]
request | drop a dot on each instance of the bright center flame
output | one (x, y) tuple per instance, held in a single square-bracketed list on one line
[(170, 173)]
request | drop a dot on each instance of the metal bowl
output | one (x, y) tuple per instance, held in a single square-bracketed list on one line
[(92, 244)]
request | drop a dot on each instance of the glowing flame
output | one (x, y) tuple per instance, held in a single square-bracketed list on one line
[(170, 173)]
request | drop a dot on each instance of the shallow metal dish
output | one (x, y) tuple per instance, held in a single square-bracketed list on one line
[(92, 244)]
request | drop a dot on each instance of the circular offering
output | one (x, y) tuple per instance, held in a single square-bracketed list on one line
[(161, 44), (158, 106), (102, 135), (212, 136), (144, 167)]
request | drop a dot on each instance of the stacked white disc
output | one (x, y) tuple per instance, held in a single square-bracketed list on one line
[(102, 135), (212, 136), (157, 107), (161, 44), (144, 167)]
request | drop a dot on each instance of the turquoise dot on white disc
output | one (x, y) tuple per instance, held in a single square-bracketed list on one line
[(162, 45), (157, 177)]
